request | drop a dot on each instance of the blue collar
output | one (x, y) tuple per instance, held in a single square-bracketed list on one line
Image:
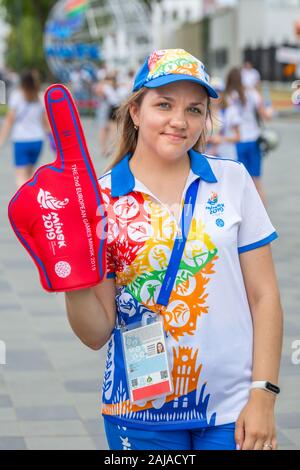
[(123, 181)]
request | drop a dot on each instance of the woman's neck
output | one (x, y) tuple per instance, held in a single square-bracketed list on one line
[(166, 180), (148, 167)]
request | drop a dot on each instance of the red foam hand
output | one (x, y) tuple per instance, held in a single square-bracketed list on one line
[(57, 213)]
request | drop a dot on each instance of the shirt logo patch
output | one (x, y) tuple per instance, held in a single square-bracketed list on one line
[(213, 206), (213, 198), (220, 222)]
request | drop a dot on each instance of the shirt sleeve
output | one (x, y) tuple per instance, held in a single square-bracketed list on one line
[(257, 99), (13, 100), (255, 228), (235, 116)]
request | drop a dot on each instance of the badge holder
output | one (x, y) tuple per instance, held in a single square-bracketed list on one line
[(144, 347), (146, 361)]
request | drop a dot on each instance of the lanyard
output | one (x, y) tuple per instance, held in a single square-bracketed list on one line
[(179, 244)]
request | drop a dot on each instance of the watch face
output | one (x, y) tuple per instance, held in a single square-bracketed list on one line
[(272, 387)]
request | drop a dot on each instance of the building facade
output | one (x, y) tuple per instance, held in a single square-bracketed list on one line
[(224, 33), (253, 30)]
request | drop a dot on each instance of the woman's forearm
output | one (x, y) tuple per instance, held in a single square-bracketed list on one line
[(268, 332), (236, 137), (6, 127), (4, 131), (88, 318)]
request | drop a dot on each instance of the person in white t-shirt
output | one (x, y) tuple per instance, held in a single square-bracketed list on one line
[(102, 114), (226, 121), (250, 76), (110, 94), (27, 121), (251, 109)]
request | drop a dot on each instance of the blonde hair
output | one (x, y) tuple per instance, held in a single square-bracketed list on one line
[(127, 135)]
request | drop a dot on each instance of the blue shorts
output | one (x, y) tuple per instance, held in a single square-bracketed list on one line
[(27, 153), (210, 438), (250, 155)]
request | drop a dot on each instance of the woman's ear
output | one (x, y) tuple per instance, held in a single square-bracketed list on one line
[(134, 111)]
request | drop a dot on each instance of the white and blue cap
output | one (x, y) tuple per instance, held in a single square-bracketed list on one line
[(166, 66)]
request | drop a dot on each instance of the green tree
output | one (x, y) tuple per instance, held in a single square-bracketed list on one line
[(26, 19)]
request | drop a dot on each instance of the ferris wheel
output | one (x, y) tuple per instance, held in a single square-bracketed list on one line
[(85, 32)]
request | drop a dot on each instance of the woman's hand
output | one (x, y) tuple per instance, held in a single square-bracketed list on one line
[(255, 426), (64, 199), (6, 126)]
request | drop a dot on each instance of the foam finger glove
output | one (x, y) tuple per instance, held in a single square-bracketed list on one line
[(59, 215)]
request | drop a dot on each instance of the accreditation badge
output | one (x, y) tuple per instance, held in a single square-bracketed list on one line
[(146, 361)]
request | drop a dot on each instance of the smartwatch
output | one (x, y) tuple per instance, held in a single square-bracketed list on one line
[(265, 385)]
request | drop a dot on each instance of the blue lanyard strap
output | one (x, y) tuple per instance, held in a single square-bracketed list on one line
[(179, 244)]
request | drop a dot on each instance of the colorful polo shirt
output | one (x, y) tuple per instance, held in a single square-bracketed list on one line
[(207, 322)]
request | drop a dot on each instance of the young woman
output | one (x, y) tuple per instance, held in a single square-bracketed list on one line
[(110, 95), (251, 109), (27, 121), (103, 111), (226, 126), (217, 298)]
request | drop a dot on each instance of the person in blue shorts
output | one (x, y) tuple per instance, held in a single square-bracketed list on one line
[(27, 121), (251, 109)]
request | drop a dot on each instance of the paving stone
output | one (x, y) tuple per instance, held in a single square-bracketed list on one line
[(293, 435), (88, 411), (288, 404), (292, 328), (37, 293), (12, 443), (14, 339), (34, 379), (7, 414), (100, 442), (43, 325), (29, 360), (5, 401), (287, 367), (45, 312), (38, 393), (94, 426), (60, 443), (18, 264), (41, 399), (9, 306), (82, 385), (82, 373), (57, 337), (5, 286), (288, 448), (9, 429), (45, 413), (289, 420), (52, 428)]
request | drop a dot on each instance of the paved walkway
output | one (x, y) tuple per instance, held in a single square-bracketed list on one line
[(50, 388)]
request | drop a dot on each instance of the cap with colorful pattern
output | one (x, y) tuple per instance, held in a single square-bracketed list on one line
[(171, 65)]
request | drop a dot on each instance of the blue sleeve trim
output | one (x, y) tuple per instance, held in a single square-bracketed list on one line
[(105, 174), (220, 158), (262, 242), (110, 275)]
